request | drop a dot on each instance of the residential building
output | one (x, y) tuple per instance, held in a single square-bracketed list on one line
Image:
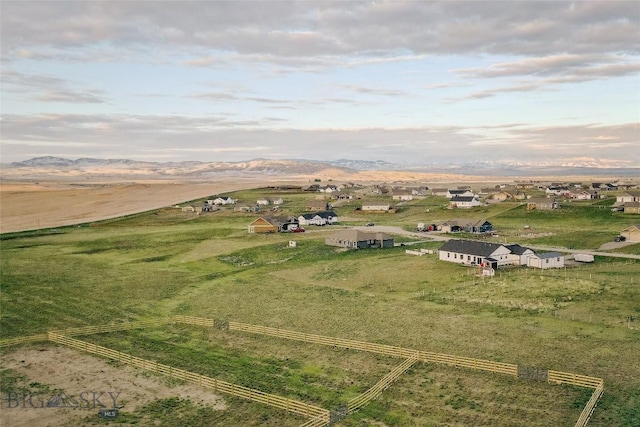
[(376, 206), (357, 239), (631, 233), (459, 193), (464, 202), (471, 252), (546, 260), (542, 203), (318, 218), (263, 225)]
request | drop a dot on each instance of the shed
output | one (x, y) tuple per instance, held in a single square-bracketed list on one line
[(546, 260)]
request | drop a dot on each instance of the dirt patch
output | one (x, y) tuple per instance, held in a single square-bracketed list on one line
[(614, 245), (55, 205), (83, 378)]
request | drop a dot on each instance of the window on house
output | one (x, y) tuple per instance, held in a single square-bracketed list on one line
[(547, 261)]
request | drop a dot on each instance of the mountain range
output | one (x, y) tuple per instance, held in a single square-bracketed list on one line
[(59, 166)]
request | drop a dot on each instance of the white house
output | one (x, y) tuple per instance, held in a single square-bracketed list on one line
[(464, 202), (628, 197), (471, 252), (582, 195), (558, 191), (404, 196), (493, 255), (262, 202), (546, 260), (222, 201), (318, 218), (329, 189)]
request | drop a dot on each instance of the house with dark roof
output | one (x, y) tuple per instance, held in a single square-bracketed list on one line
[(459, 193), (318, 218), (358, 239), (471, 252), (485, 254)]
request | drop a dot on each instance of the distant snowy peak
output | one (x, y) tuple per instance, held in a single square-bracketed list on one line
[(190, 168), (50, 165), (46, 161)]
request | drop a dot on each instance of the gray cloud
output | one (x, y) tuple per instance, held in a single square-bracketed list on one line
[(49, 89), (279, 29), (178, 138)]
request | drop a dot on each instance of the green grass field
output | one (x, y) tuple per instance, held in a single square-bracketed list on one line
[(584, 320)]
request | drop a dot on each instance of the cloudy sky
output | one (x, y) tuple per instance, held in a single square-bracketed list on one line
[(553, 82)]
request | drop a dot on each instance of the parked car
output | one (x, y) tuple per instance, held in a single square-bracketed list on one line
[(620, 238), (369, 224), (298, 230)]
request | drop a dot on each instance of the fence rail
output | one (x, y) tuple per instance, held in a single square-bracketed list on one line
[(421, 356), (191, 320), (86, 330), (318, 421), (586, 413), (361, 400), (23, 340), (112, 327), (273, 400), (575, 379), (467, 362)]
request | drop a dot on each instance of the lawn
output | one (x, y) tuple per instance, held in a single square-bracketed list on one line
[(584, 320)]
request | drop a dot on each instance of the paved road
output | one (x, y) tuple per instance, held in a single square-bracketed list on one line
[(435, 236)]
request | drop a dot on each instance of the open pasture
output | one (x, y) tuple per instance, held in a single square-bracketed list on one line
[(168, 262)]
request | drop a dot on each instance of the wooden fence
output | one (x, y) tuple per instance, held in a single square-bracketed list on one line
[(317, 421), (585, 416), (361, 400), (581, 381), (112, 327), (410, 354), (319, 416), (575, 379), (86, 330), (421, 356), (23, 340), (273, 400)]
